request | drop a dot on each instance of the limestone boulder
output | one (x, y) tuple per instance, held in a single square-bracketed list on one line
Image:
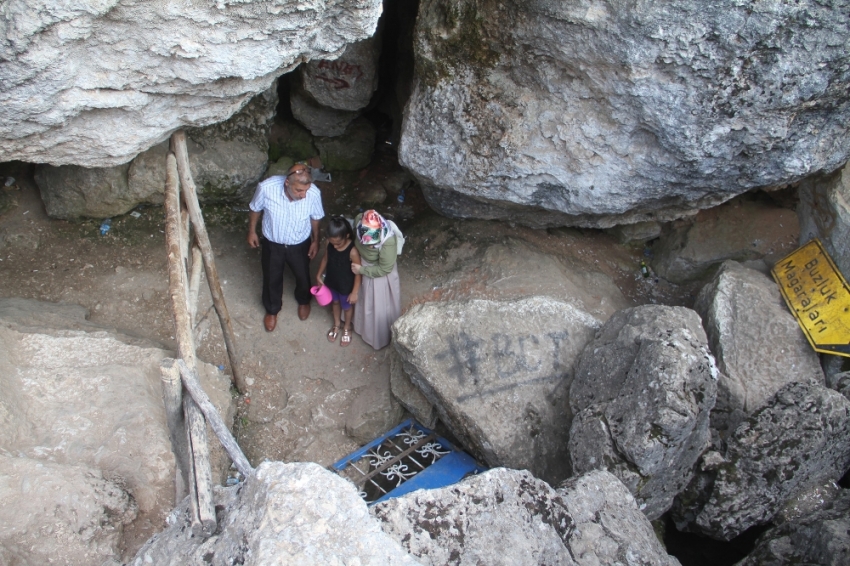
[(77, 394), (227, 161), (59, 514), (798, 440), (318, 119), (821, 538), (513, 269), (840, 382), (594, 114), (95, 83), (743, 230), (637, 233), (510, 517), (824, 213), (408, 395), (350, 150), (71, 192), (757, 343), (289, 138), (284, 514), (500, 388), (642, 395), (347, 82), (610, 524)]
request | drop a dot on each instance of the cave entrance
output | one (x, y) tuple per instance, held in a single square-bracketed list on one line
[(345, 116)]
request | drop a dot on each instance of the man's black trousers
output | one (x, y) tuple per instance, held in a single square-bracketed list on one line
[(275, 257)]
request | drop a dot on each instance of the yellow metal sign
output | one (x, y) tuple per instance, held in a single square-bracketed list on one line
[(818, 296)]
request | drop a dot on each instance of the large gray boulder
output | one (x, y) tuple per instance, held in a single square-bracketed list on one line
[(799, 440), (285, 514), (742, 230), (94, 83), (410, 397), (348, 82), (822, 539), (513, 268), (498, 374), (510, 517), (594, 114), (642, 395), (82, 396), (757, 343), (824, 212), (71, 192), (320, 120), (59, 514), (227, 160), (351, 149)]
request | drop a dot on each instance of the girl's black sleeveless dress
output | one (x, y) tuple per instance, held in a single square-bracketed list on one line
[(338, 275)]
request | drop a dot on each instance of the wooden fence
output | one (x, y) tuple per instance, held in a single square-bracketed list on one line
[(187, 415)]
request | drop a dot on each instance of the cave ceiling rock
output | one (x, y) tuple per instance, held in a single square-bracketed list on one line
[(96, 82)]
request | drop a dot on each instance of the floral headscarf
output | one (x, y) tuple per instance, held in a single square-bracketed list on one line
[(373, 230)]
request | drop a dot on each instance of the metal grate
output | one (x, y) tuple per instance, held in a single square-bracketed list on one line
[(403, 460)]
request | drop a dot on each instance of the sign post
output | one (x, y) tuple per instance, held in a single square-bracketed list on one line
[(818, 296)]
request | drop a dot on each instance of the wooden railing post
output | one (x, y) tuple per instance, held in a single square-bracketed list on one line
[(190, 198), (200, 474), (172, 396), (193, 386)]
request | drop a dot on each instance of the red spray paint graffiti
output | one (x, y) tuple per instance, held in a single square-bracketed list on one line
[(339, 74)]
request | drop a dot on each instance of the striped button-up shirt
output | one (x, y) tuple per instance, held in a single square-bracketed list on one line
[(286, 221)]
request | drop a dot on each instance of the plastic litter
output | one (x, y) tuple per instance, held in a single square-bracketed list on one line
[(9, 182), (319, 175), (105, 226), (644, 269), (136, 214), (401, 196)]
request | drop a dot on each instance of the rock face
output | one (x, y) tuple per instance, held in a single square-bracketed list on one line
[(60, 514), (96, 83), (800, 439), (227, 161), (595, 114), (758, 345), (498, 373), (743, 230), (642, 394), (408, 395), (821, 538), (320, 120), (824, 212), (510, 517), (351, 149), (504, 268), (348, 82), (89, 402), (70, 192), (285, 514)]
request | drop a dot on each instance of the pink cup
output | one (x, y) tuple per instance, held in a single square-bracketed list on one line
[(322, 294)]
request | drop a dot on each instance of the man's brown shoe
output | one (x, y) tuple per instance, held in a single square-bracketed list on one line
[(303, 311), (270, 322)]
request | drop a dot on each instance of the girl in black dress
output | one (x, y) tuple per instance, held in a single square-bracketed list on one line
[(335, 272)]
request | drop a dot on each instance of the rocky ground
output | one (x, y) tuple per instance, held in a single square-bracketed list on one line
[(308, 399)]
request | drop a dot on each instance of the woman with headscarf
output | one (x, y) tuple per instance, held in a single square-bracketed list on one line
[(380, 293)]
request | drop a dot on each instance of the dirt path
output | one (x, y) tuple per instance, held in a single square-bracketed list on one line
[(309, 400)]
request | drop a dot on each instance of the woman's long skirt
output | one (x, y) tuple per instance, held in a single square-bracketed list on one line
[(377, 308)]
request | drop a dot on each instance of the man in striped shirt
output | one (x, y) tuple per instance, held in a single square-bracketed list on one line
[(291, 208)]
